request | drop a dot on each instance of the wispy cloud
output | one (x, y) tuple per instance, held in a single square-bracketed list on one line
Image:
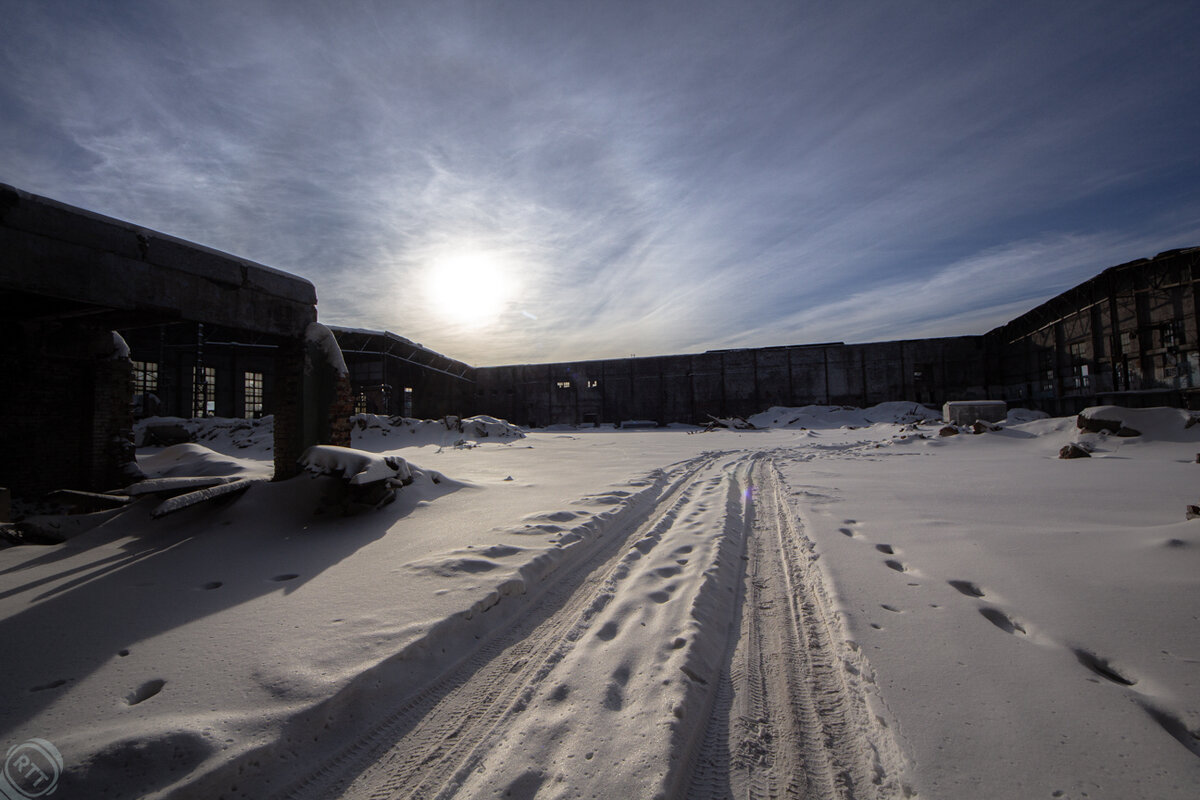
[(658, 177)]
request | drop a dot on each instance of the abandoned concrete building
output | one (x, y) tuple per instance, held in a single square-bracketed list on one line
[(70, 279), (103, 320)]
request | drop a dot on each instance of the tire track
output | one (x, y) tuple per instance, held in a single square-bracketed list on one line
[(428, 746), (791, 718)]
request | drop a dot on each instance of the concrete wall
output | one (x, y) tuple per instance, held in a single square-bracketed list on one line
[(690, 388)]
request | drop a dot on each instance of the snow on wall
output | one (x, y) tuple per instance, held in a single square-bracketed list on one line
[(377, 432), (323, 338)]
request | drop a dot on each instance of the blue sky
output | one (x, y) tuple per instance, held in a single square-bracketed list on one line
[(531, 181)]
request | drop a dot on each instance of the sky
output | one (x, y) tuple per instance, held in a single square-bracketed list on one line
[(521, 181)]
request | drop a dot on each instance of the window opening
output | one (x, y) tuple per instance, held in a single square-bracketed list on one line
[(145, 377), (204, 396), (145, 388), (254, 395)]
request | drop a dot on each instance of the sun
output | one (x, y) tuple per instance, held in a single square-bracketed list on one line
[(469, 288)]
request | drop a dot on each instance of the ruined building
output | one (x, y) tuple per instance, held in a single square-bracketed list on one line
[(1128, 336), (101, 320), (71, 279)]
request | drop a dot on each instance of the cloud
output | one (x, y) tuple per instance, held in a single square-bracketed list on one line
[(970, 296), (658, 177)]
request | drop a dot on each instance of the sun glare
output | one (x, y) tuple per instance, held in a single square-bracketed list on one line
[(468, 288)]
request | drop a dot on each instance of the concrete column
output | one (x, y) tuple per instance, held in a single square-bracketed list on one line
[(289, 408), (112, 461)]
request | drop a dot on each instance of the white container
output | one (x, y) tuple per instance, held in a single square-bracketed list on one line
[(964, 412)]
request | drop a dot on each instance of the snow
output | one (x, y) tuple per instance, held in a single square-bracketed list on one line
[(378, 433), (356, 467), (253, 438), (825, 417), (120, 348), (201, 495), (326, 342), (1017, 625), (199, 460)]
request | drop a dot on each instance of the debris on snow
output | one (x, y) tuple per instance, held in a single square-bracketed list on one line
[(1074, 450), (356, 467), (377, 432), (176, 485), (180, 502)]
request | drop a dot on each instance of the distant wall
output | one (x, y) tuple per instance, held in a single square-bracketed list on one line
[(690, 388), (1129, 336)]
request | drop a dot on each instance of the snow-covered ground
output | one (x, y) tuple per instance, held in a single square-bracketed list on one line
[(579, 613)]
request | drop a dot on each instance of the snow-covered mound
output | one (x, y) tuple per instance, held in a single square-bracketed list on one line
[(1019, 416), (377, 432), (247, 437), (1153, 424), (196, 460), (255, 438), (900, 413)]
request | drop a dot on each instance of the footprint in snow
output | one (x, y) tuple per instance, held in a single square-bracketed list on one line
[(968, 588), (886, 549), (1002, 621), (527, 785), (896, 565), (208, 587), (144, 692), (1175, 727), (1101, 667), (614, 697), (608, 632), (287, 576)]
